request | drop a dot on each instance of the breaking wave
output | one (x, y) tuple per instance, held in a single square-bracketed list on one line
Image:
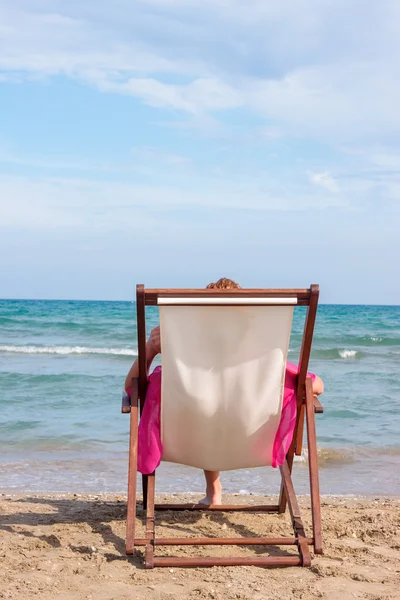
[(330, 353), (66, 350), (348, 353), (329, 456)]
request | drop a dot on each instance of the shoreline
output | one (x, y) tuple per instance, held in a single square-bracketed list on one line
[(343, 471), (71, 546), (122, 495), (369, 476)]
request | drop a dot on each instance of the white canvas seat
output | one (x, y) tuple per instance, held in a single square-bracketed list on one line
[(223, 370)]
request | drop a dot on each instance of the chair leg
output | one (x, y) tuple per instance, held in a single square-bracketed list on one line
[(295, 514), (282, 494), (144, 490), (150, 524), (132, 476), (294, 447), (289, 461), (300, 432), (313, 468)]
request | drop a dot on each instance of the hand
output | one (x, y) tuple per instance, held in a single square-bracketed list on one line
[(318, 386), (154, 342)]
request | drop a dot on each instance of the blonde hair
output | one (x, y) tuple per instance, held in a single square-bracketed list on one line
[(224, 284)]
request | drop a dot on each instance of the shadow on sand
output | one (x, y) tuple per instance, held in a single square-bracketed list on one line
[(100, 514)]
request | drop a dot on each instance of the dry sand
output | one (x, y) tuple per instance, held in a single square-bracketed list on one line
[(65, 546)]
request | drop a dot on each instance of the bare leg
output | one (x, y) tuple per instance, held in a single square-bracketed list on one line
[(213, 489)]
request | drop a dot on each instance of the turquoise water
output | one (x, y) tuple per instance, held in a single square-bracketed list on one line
[(62, 367)]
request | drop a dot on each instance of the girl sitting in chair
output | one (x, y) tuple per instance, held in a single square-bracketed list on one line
[(149, 442)]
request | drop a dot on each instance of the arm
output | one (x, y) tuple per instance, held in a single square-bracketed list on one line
[(318, 386), (153, 347)]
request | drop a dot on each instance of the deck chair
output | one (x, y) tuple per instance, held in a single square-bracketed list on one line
[(223, 358)]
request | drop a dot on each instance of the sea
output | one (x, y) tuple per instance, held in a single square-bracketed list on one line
[(62, 369)]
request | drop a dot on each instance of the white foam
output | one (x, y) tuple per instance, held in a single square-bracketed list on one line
[(347, 353), (303, 456), (65, 350)]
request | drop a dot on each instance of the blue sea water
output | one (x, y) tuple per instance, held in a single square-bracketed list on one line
[(62, 368)]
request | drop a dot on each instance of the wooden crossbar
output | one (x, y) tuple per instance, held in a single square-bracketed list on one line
[(221, 507), (302, 296), (260, 561), (245, 541)]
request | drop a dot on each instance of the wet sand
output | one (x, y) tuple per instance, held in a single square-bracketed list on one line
[(68, 546)]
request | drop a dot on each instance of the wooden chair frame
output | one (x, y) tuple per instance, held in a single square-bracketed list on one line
[(307, 406)]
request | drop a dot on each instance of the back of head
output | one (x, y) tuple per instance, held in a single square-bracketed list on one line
[(224, 284)]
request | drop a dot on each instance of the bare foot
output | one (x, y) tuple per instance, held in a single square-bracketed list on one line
[(213, 496), (214, 499)]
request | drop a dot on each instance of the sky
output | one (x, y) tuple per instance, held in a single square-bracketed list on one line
[(172, 142)]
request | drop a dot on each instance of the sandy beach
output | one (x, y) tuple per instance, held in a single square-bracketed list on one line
[(72, 546)]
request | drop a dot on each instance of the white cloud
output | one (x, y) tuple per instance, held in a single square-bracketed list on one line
[(43, 42), (150, 153), (200, 95), (143, 158), (382, 160), (66, 163), (51, 203), (324, 180), (338, 102), (317, 69)]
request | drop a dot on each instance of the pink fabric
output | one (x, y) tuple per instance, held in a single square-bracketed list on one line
[(149, 442), (284, 433)]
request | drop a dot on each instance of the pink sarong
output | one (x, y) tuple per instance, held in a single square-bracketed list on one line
[(149, 442)]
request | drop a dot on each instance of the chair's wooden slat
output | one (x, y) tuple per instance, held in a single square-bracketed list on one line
[(300, 430), (297, 442), (294, 510), (126, 405), (304, 552), (302, 295), (318, 408), (132, 475), (150, 523), (232, 292), (304, 360), (271, 561), (313, 468), (141, 333), (290, 493), (126, 400), (245, 541), (307, 340), (221, 507)]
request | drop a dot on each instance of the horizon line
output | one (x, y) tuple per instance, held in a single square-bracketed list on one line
[(134, 301)]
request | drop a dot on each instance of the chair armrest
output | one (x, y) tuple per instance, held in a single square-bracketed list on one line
[(318, 408), (125, 403), (133, 399)]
